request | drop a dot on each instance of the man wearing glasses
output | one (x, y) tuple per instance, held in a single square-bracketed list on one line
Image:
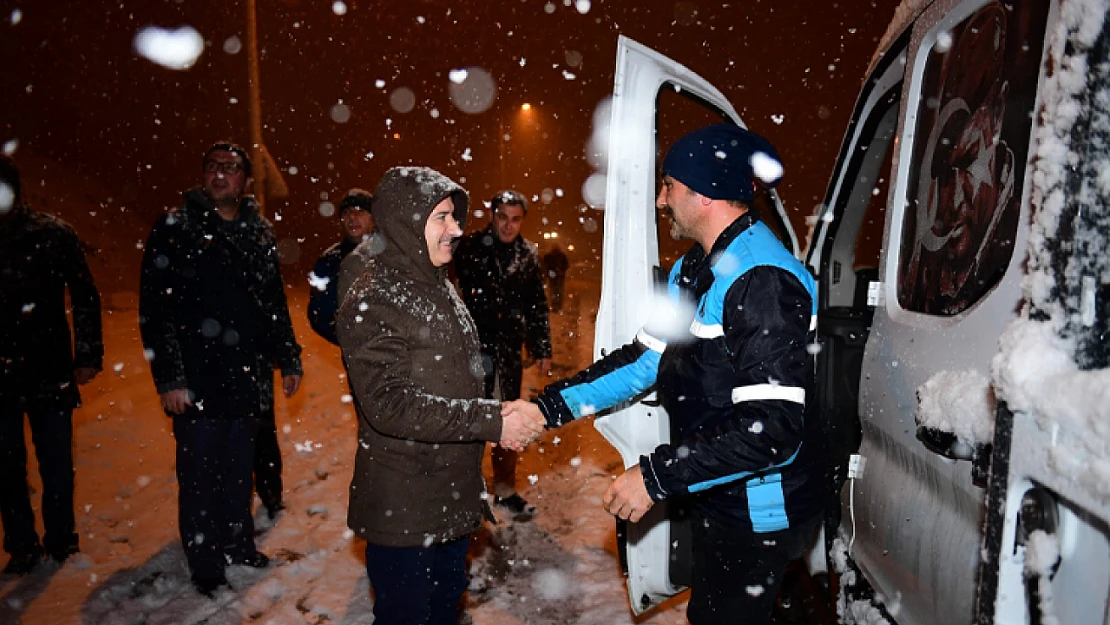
[(214, 322)]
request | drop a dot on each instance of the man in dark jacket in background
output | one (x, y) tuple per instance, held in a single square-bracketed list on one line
[(214, 322), (501, 282), (323, 298), (40, 257)]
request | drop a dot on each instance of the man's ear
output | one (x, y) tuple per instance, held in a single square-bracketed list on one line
[(248, 185)]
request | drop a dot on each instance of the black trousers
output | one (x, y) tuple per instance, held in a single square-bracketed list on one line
[(52, 435), (557, 286), (267, 462), (737, 573), (214, 461), (504, 372), (417, 585)]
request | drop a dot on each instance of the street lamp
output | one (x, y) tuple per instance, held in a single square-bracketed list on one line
[(504, 134)]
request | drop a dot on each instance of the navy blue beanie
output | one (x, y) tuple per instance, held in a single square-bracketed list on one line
[(720, 162)]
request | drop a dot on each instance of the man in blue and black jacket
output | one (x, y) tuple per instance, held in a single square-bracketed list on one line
[(727, 355), (324, 298)]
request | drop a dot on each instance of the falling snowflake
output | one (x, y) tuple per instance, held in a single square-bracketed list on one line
[(320, 283), (232, 45), (172, 49), (766, 168)]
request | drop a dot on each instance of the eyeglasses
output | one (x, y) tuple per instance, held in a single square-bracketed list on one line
[(228, 167)]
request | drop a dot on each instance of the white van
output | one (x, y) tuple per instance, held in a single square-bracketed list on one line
[(963, 258)]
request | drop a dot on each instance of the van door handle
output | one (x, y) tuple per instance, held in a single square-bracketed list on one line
[(944, 443)]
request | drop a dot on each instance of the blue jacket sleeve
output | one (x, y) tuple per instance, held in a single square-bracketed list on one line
[(619, 376)]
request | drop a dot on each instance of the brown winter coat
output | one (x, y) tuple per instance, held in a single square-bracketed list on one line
[(412, 356)]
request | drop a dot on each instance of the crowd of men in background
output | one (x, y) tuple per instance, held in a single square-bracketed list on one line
[(746, 454), (215, 323)]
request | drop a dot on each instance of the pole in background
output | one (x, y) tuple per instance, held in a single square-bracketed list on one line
[(255, 108), (268, 181)]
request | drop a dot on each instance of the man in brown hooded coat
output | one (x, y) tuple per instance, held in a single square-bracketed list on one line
[(412, 356)]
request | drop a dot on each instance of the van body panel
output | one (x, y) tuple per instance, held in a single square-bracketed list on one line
[(918, 515)]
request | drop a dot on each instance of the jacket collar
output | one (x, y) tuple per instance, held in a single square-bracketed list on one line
[(199, 205), (696, 272)]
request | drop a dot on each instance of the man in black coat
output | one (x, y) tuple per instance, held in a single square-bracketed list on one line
[(214, 322), (40, 369), (324, 298), (502, 284)]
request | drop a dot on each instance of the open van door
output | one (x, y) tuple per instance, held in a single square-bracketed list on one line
[(655, 551)]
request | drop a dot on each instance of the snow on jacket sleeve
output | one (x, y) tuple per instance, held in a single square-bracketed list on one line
[(323, 304), (619, 376), (377, 355), (287, 353), (536, 313), (88, 343), (157, 323), (766, 322)]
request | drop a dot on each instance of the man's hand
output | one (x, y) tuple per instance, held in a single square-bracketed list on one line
[(176, 401), (545, 365), (521, 423), (627, 498), (290, 384), (84, 375), (524, 407)]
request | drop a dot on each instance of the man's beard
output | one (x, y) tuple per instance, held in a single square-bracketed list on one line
[(677, 232)]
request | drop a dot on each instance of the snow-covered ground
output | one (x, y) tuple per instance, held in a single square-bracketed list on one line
[(559, 568)]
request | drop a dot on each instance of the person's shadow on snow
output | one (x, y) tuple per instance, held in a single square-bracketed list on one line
[(20, 592), (159, 592), (516, 568)]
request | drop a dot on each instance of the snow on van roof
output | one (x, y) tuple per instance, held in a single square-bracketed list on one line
[(904, 15)]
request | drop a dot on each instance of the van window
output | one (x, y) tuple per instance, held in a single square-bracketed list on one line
[(971, 141), (854, 239)]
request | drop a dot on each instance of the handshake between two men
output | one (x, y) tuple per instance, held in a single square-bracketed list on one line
[(626, 498)]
